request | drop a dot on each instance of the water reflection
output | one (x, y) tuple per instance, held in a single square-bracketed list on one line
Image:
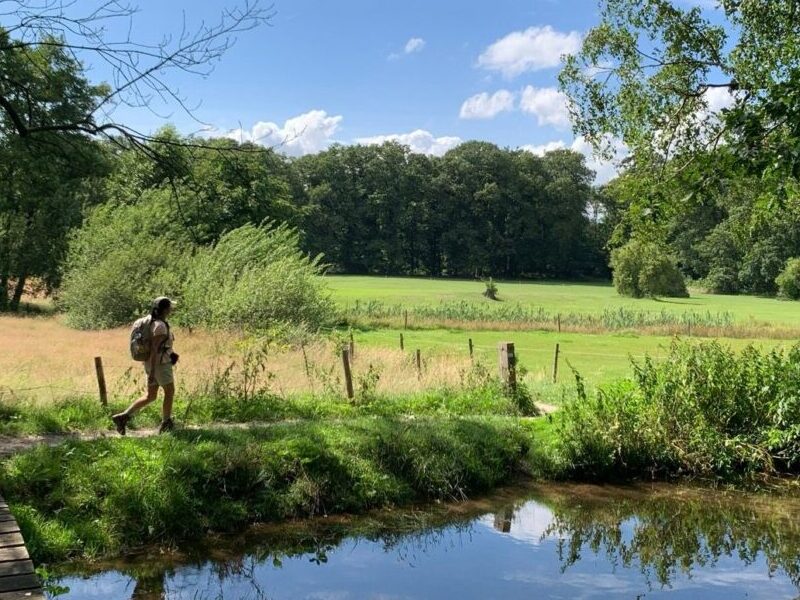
[(546, 542)]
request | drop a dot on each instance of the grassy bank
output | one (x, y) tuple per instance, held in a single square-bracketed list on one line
[(104, 497)]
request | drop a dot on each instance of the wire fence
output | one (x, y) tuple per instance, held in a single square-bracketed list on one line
[(125, 379)]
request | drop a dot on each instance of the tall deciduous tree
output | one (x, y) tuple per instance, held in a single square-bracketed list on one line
[(675, 86)]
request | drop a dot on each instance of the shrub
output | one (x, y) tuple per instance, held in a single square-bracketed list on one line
[(722, 280), (256, 278), (645, 269), (118, 262), (704, 410), (788, 281)]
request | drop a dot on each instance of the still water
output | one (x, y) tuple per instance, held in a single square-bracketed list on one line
[(564, 541)]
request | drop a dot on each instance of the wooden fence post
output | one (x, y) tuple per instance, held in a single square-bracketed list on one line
[(419, 364), (471, 349), (101, 380), (352, 347), (555, 364), (402, 343), (405, 319), (508, 365), (348, 375), (559, 322)]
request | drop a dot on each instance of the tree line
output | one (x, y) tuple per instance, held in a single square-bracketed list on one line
[(479, 211)]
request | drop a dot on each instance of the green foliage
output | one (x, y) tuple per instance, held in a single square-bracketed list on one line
[(643, 269), (122, 258), (45, 181), (255, 278), (478, 210), (788, 281), (648, 74), (703, 411), (100, 498)]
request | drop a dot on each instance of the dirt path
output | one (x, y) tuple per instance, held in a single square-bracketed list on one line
[(11, 445)]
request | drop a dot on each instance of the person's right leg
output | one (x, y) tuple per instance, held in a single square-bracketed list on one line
[(121, 419)]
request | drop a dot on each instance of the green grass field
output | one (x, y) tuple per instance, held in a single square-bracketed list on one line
[(555, 297), (598, 357)]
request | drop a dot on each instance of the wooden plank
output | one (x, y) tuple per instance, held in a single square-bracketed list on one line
[(8, 517), (24, 595), (17, 567), (14, 583), (11, 539), (13, 553), (9, 527)]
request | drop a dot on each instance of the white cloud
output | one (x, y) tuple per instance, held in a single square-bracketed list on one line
[(534, 49), (415, 44), (420, 141), (485, 106), (412, 46), (605, 170), (543, 149), (547, 104), (304, 134), (718, 99)]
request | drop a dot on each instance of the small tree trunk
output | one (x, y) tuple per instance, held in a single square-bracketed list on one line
[(3, 292), (17, 297)]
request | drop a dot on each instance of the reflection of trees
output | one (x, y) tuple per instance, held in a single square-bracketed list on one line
[(668, 535), (663, 532), (407, 533)]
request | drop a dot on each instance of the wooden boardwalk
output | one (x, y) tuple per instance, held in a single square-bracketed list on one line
[(17, 579)]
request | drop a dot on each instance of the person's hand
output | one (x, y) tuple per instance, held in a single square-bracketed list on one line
[(174, 358), (151, 380)]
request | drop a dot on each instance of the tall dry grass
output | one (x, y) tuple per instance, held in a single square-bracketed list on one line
[(43, 359)]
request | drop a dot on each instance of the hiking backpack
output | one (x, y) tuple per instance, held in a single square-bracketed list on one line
[(141, 337)]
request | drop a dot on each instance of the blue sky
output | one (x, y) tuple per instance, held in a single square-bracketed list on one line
[(431, 73)]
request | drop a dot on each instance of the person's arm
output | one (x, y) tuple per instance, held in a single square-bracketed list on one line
[(155, 347)]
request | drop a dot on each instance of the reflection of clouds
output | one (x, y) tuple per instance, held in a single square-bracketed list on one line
[(581, 585), (528, 525)]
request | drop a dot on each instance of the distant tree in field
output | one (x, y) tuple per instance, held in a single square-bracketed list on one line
[(788, 281), (491, 290), (643, 269)]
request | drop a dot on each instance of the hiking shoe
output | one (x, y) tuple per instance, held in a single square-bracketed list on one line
[(121, 422), (166, 426)]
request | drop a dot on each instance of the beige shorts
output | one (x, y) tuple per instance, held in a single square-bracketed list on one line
[(163, 374)]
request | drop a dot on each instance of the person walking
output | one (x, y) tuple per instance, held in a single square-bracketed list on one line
[(151, 343)]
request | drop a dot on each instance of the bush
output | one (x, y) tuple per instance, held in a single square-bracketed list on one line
[(788, 281), (722, 280), (256, 278), (644, 269), (118, 262), (705, 411)]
